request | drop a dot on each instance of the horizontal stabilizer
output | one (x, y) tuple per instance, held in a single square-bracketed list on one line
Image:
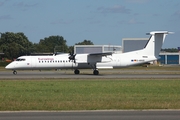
[(159, 32)]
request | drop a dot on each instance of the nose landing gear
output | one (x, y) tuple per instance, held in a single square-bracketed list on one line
[(14, 72)]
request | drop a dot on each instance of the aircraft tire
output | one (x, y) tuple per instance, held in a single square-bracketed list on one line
[(14, 72), (76, 71), (96, 72)]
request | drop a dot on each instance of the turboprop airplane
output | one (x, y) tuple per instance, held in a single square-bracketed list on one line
[(93, 61)]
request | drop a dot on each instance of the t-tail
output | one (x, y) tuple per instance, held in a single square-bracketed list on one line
[(154, 44)]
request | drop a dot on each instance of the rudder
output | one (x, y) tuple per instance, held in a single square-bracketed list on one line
[(155, 42)]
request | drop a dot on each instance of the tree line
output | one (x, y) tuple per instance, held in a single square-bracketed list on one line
[(14, 45), (170, 50)]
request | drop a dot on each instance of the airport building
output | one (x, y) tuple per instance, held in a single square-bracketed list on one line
[(131, 44), (80, 49), (128, 44), (169, 58)]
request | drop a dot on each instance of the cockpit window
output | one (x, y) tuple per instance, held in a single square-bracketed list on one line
[(20, 59)]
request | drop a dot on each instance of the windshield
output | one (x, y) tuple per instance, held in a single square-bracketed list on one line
[(20, 59)]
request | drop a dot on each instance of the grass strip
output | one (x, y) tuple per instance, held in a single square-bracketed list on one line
[(89, 94)]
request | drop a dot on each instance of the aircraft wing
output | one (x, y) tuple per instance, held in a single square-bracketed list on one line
[(101, 54), (93, 57)]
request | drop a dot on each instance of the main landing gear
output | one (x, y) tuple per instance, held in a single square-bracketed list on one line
[(76, 71), (95, 72), (93, 66), (14, 72)]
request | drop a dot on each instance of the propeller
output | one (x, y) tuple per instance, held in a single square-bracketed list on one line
[(72, 57)]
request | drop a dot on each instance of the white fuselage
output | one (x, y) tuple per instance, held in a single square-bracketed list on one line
[(82, 61)]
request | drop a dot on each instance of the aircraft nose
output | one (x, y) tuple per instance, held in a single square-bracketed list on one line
[(9, 66)]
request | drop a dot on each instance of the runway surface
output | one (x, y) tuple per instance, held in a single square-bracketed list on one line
[(124, 74), (92, 115)]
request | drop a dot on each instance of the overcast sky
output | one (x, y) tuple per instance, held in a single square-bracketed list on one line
[(104, 22)]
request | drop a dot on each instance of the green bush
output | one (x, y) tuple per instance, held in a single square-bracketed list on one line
[(3, 64)]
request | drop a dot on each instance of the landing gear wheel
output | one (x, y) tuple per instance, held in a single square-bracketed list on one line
[(76, 71), (96, 72), (14, 72)]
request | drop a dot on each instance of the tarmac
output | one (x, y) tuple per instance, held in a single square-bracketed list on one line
[(92, 115), (143, 73)]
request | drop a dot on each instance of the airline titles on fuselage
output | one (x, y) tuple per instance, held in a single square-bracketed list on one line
[(45, 58)]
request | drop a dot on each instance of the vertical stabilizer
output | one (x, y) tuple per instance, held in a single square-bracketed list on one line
[(154, 44)]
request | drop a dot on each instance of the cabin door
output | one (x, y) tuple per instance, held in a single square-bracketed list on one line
[(33, 62)]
